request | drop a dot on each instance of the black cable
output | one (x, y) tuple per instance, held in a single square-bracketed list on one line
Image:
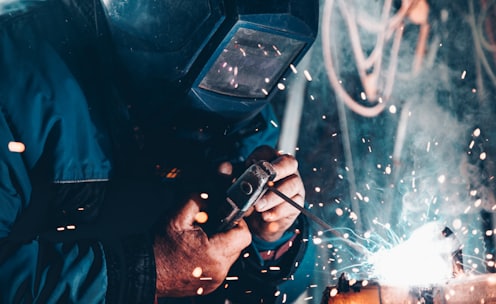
[(319, 221)]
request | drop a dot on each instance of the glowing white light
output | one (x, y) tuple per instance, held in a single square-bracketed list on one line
[(317, 241), (353, 216), (293, 68), (307, 75), (476, 132), (197, 272), (15, 146), (483, 156), (281, 86), (392, 109), (424, 259), (457, 224), (441, 179), (339, 211), (477, 203), (464, 73), (317, 189), (363, 96)]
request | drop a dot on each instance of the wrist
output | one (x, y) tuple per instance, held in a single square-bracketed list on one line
[(273, 250)]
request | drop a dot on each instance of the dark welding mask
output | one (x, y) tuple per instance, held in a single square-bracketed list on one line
[(224, 57)]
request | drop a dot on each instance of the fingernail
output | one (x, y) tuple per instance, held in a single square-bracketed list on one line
[(261, 204), (267, 216)]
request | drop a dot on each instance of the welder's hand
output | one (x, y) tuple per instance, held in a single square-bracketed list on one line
[(273, 216), (188, 262)]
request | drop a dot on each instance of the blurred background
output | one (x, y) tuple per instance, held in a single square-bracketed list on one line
[(392, 118)]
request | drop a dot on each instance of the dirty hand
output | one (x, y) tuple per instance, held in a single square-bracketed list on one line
[(188, 262), (272, 215)]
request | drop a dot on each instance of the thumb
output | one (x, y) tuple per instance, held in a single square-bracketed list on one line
[(185, 217), (236, 238)]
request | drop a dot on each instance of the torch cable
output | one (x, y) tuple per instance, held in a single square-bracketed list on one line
[(319, 221)]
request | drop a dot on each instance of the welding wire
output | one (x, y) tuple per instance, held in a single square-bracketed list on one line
[(319, 221)]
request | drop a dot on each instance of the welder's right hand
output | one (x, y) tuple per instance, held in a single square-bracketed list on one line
[(188, 262)]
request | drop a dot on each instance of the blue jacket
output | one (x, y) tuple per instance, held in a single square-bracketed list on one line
[(73, 225)]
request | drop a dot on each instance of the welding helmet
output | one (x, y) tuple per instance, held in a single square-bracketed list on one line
[(224, 57)]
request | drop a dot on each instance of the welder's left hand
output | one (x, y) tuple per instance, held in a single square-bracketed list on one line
[(272, 215)]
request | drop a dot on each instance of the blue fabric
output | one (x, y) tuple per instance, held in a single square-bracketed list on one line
[(40, 97), (268, 136), (41, 104)]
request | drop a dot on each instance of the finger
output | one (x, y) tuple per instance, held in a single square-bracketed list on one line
[(233, 240), (285, 165), (282, 211), (291, 187), (185, 218)]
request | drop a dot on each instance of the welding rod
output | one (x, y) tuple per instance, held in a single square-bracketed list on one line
[(317, 220)]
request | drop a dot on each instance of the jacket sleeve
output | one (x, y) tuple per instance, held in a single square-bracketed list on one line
[(36, 270), (42, 111)]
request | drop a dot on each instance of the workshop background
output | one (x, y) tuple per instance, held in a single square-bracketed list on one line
[(392, 118)]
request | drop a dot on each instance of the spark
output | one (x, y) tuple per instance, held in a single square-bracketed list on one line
[(307, 75), (201, 217), (293, 68), (15, 146), (197, 272), (232, 278), (476, 132), (422, 260)]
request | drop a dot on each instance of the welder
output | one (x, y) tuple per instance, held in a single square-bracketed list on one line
[(121, 121)]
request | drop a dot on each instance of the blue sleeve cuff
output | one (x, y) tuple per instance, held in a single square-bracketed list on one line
[(261, 245)]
